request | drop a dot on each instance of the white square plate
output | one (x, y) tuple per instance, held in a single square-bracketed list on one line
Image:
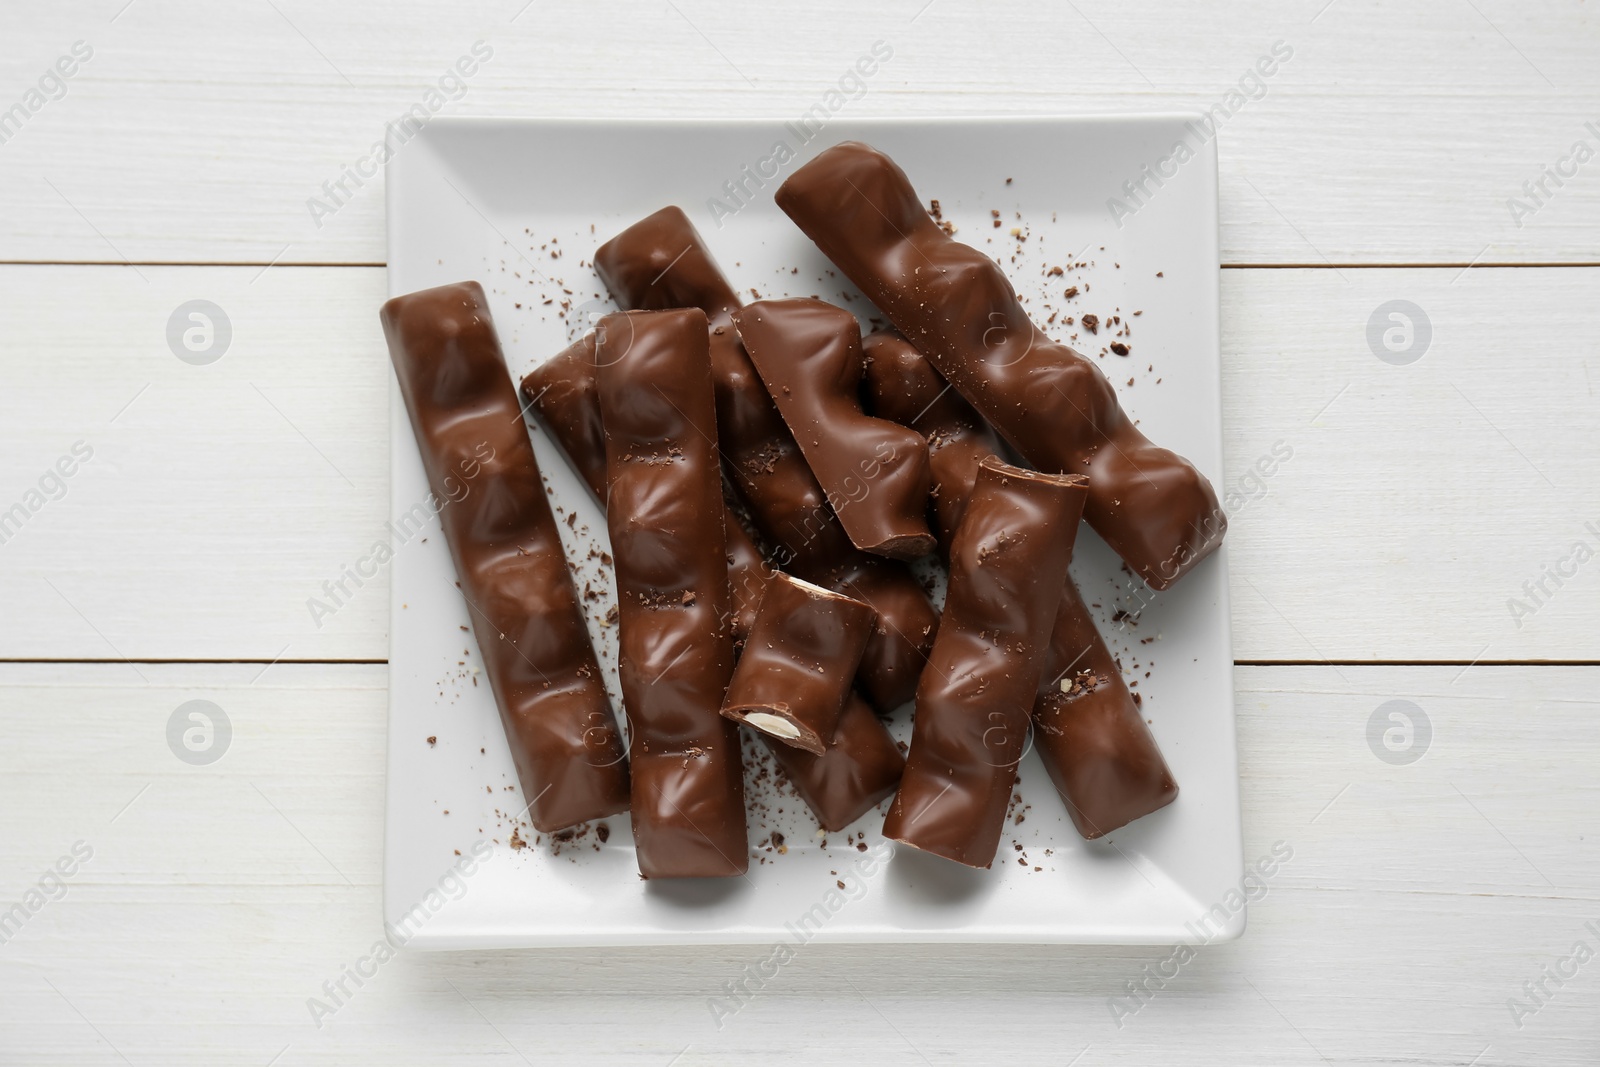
[(521, 206)]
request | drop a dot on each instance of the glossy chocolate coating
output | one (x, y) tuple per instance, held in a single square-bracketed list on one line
[(903, 387), (1095, 745), (1007, 568), (666, 514), (1054, 406), (795, 672), (562, 393), (661, 262), (497, 521), (875, 473), (862, 764)]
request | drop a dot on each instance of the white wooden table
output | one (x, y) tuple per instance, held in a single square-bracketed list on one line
[(1378, 564)]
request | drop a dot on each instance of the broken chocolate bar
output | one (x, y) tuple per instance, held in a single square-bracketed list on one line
[(1089, 733), (875, 472), (903, 387), (860, 767), (795, 673)]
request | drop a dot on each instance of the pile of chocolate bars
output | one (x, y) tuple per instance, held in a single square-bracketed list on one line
[(850, 456)]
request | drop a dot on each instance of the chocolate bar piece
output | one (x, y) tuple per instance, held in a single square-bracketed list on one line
[(1088, 731), (862, 764), (660, 262), (748, 575), (666, 514), (1054, 406), (497, 522), (903, 387), (562, 392), (793, 678), (1007, 568), (875, 473), (897, 651)]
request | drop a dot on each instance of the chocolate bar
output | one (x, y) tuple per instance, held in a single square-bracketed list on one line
[(562, 392), (875, 473), (660, 262), (666, 514), (1007, 568), (502, 536), (1054, 406), (862, 764), (794, 675), (903, 387), (1093, 741)]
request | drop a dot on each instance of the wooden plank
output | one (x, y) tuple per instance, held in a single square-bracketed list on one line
[(1417, 901), (1392, 134), (1414, 504), (218, 498), (1420, 499)]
